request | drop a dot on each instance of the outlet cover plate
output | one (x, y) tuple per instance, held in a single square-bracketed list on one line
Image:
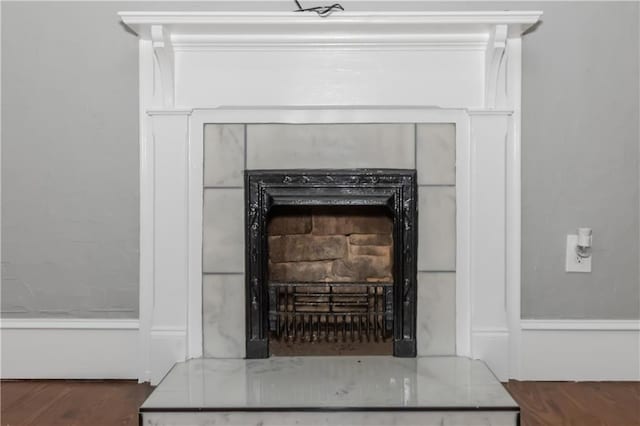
[(574, 263)]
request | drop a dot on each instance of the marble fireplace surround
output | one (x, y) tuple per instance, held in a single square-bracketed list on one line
[(202, 68)]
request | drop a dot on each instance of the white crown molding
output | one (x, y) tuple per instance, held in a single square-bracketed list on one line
[(581, 324)]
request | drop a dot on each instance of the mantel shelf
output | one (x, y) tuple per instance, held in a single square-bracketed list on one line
[(337, 28)]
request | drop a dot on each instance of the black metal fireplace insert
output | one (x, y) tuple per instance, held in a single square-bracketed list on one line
[(393, 306)]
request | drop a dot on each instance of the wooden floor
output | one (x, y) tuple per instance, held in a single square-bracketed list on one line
[(66, 403), (98, 403), (579, 404)]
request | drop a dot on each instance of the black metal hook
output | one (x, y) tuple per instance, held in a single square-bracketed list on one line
[(322, 11)]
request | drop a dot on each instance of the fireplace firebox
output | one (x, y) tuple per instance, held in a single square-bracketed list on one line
[(331, 262)]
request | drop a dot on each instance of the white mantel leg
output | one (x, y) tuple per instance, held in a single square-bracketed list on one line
[(490, 333), (168, 139), (514, 203)]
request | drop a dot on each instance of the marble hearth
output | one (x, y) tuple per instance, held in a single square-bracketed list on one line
[(330, 391)]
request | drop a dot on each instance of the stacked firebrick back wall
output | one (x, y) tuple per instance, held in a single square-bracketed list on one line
[(331, 245)]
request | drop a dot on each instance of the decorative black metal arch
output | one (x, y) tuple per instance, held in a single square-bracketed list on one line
[(395, 189)]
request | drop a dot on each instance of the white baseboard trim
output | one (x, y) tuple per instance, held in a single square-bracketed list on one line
[(580, 350), (108, 349), (69, 349), (167, 346), (491, 345)]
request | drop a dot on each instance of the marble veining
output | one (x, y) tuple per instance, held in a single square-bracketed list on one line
[(436, 319), (223, 323), (223, 155), (331, 383), (437, 228), (330, 146)]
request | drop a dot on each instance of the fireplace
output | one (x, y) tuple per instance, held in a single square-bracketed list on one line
[(260, 71), (331, 262)]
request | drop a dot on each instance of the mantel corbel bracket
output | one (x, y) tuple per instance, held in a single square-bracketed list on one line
[(494, 66), (164, 84)]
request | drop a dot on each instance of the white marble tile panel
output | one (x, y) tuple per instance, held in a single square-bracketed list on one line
[(223, 154), (436, 323), (317, 146), (223, 231), (436, 154), (437, 228), (223, 316)]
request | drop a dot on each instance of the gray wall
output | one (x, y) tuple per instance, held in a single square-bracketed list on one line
[(69, 162), (580, 168), (70, 157)]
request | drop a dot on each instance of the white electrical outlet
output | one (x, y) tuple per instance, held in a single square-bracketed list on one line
[(574, 262)]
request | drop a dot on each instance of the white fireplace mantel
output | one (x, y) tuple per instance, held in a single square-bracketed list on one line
[(248, 67), (172, 32)]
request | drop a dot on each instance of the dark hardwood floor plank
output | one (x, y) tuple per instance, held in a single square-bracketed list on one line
[(39, 401), (72, 403), (577, 403), (87, 402), (125, 404), (604, 400), (17, 391)]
